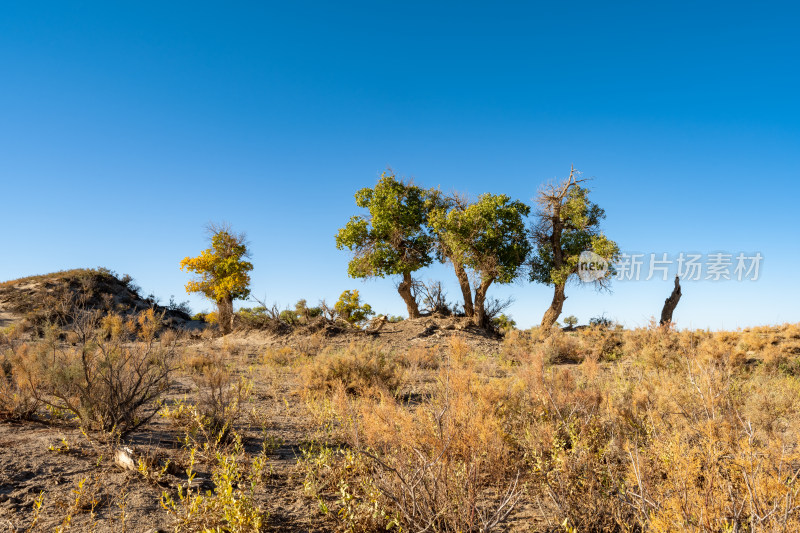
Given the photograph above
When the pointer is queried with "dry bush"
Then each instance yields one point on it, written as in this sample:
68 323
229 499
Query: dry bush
283 356
360 369
419 357
221 395
560 347
689 440
601 343
313 344
517 346
685 430
443 466
572 440
196 360
108 383
655 346
725 450
208 423
339 479
17 401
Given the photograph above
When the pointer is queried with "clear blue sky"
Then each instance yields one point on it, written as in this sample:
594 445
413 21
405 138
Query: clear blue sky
127 126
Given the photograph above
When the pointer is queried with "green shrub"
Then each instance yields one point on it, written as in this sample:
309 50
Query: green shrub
350 308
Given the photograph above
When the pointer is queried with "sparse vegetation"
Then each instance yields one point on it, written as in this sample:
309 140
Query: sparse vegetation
595 429
101 377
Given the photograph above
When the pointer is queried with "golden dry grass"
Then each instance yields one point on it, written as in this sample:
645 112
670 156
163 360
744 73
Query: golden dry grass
595 430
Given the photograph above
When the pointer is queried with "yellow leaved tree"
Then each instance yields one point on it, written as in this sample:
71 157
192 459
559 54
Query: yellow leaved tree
223 275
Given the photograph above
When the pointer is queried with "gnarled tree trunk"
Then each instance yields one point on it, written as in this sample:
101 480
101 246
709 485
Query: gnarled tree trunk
480 319
466 290
554 311
404 289
225 315
671 303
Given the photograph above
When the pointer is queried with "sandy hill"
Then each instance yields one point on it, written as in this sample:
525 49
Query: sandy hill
51 297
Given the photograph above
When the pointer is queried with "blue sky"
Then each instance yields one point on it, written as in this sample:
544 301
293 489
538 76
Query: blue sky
126 126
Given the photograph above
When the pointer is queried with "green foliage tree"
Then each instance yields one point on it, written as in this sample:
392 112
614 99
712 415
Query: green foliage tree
486 239
392 239
222 273
571 321
504 322
567 224
350 308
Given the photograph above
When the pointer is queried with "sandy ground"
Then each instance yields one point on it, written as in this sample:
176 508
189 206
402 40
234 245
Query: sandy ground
53 459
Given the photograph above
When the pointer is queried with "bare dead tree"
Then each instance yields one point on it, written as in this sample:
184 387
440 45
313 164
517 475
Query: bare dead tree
434 298
671 303
495 306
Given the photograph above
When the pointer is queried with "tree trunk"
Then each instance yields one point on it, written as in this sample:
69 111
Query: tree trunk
466 290
480 319
225 315
671 303
405 292
554 311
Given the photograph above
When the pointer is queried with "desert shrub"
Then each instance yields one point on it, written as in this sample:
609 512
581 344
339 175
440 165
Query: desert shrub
179 307
290 317
17 401
283 356
700 444
603 344
419 356
601 321
230 506
221 396
359 369
778 360
108 383
560 347
339 479
685 431
350 308
503 322
443 466
208 423
518 346
434 298
726 456
264 318
573 449
194 359
311 345
654 346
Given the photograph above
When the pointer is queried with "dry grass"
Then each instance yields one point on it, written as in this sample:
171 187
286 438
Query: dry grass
594 430
688 431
